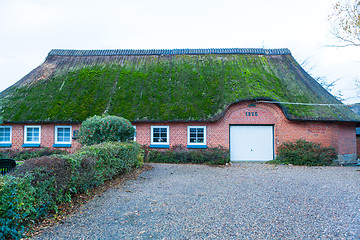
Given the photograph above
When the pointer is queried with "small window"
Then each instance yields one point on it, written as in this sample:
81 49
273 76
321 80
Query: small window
5 136
62 134
75 134
134 133
196 136
160 136
32 136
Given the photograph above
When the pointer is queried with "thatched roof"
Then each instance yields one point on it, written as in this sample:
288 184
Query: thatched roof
166 85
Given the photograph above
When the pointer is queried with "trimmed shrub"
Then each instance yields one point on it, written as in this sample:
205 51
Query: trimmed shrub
96 129
37 187
302 152
25 154
180 154
51 178
93 165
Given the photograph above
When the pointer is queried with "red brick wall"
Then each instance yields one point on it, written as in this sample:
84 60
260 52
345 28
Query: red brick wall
339 135
47 135
358 145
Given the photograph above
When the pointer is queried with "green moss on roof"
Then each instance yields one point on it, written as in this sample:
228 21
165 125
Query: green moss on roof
164 88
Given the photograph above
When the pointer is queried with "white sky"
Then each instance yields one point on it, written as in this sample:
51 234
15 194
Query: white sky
29 29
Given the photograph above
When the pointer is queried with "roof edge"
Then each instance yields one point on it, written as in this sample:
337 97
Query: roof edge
187 51
213 119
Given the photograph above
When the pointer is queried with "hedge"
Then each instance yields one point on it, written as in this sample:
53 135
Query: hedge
302 152
25 154
180 154
40 185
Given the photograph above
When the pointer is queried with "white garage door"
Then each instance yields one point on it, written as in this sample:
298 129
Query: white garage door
251 143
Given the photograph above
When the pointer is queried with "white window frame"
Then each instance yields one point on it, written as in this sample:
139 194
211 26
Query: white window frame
56 135
7 142
134 133
167 135
25 135
188 136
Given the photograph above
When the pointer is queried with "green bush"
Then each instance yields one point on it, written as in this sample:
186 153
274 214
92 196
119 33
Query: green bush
25 154
302 152
179 154
51 178
93 165
17 208
96 129
37 187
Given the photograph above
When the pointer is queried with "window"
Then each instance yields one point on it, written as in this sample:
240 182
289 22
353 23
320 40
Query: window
32 136
160 136
75 134
62 135
196 137
134 133
5 136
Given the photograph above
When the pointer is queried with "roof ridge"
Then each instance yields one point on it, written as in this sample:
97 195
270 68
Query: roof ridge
187 51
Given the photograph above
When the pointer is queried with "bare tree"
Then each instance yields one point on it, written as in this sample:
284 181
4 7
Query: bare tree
323 81
345 20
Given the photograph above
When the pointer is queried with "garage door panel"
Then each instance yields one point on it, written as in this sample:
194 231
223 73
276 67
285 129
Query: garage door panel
251 143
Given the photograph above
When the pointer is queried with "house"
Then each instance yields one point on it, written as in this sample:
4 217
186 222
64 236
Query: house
356 109
247 100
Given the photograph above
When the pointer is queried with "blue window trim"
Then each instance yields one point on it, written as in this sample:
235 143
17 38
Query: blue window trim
5 145
159 146
62 145
196 146
28 145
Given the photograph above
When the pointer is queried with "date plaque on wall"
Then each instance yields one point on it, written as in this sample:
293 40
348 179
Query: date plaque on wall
251 114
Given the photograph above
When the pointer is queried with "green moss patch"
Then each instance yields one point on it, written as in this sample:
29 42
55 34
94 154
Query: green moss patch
165 88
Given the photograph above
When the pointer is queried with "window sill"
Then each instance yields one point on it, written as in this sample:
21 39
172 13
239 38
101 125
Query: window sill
31 145
197 146
62 145
159 146
5 145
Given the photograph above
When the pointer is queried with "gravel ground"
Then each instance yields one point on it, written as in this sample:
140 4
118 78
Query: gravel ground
242 201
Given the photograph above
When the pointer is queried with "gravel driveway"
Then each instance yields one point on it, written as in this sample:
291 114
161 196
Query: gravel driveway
242 201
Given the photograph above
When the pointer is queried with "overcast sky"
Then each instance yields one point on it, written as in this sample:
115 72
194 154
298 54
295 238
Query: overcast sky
29 29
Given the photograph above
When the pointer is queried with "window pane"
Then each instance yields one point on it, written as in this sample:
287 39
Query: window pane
2 134
66 134
197 135
159 135
32 134
5 134
63 134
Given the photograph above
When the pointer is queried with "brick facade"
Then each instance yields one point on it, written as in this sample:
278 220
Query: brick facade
337 134
47 135
340 135
358 145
